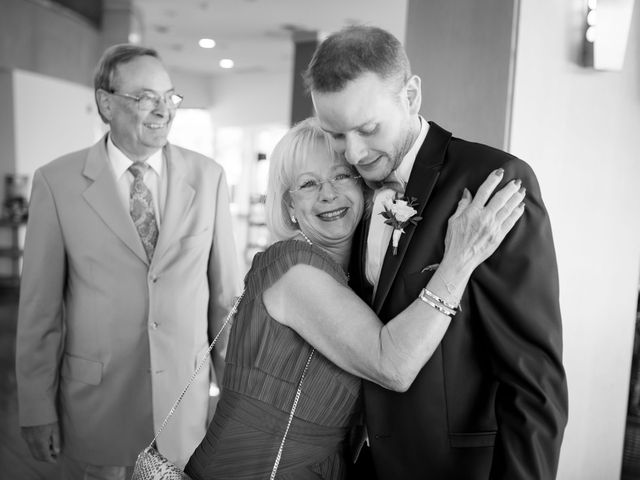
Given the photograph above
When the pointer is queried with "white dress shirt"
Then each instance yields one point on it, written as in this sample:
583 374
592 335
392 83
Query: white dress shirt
380 233
154 178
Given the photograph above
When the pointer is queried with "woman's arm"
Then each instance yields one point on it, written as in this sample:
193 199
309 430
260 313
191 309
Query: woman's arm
345 330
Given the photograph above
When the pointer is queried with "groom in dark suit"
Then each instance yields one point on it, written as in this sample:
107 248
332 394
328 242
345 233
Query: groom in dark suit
492 401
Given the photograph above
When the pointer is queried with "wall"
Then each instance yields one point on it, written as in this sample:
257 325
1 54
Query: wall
42 37
196 88
52 117
46 38
301 103
462 51
42 118
251 99
579 129
7 130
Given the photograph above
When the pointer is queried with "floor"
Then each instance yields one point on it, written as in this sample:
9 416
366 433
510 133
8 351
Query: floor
15 460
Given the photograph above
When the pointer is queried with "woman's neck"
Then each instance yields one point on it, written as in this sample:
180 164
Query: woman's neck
340 252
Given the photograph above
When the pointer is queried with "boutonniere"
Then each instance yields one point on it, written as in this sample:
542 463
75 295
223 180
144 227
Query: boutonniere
399 213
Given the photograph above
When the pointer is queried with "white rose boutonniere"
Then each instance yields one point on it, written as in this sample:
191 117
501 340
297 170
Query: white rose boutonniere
399 214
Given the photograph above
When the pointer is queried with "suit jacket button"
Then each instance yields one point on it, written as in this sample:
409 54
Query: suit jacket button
154 325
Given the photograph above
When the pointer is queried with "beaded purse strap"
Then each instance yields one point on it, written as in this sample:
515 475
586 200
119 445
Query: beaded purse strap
293 410
204 360
205 357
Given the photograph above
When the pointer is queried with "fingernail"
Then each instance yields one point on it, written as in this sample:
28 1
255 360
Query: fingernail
522 190
517 182
466 193
499 171
521 204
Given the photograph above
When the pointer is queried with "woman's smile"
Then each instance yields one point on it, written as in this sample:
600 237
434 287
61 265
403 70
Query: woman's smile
333 215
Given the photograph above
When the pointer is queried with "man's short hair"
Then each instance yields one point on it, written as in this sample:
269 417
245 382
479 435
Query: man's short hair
347 54
113 57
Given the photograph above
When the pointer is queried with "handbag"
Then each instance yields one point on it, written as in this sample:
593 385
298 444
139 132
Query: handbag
152 465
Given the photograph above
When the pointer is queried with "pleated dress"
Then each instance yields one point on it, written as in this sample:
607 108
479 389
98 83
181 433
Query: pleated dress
264 363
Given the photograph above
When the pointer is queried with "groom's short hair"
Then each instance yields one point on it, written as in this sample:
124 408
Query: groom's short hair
353 51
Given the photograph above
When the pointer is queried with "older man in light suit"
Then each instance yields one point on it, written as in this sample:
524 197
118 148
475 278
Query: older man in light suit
129 269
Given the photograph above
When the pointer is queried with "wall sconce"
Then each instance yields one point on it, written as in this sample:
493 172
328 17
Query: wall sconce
589 32
605 34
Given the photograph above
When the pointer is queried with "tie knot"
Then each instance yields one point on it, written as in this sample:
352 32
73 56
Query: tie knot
138 168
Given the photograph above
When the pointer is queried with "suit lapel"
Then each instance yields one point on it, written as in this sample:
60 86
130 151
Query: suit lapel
180 195
102 196
357 273
422 180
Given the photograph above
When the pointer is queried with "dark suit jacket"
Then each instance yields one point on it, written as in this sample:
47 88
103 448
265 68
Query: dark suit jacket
492 401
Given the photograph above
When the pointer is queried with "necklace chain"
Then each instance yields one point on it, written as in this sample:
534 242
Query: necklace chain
305 237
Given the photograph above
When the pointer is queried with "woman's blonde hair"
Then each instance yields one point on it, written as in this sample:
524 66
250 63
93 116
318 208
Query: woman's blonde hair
284 165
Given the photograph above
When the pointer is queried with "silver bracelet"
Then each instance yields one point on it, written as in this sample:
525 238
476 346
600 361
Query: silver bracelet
440 300
447 311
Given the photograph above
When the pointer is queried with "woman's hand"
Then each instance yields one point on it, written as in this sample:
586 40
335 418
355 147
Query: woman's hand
477 228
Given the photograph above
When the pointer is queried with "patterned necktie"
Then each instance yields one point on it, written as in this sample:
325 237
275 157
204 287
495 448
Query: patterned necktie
141 209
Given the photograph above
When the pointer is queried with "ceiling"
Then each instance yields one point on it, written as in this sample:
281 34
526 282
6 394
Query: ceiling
256 34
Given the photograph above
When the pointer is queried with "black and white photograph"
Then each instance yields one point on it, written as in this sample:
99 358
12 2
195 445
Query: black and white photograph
305 240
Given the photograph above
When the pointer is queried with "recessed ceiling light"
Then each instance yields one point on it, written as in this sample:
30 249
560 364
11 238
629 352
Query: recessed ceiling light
226 63
207 42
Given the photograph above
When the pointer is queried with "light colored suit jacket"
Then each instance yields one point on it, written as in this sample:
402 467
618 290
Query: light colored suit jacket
106 342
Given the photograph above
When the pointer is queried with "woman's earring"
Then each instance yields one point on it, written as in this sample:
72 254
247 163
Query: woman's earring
293 219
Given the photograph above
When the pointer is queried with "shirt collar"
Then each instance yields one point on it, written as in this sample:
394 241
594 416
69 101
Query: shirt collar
121 163
404 169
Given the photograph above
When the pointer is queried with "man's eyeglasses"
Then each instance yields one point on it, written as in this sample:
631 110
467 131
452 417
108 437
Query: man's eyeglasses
313 186
148 101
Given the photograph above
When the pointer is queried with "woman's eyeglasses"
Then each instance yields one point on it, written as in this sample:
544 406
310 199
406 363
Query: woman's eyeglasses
313 186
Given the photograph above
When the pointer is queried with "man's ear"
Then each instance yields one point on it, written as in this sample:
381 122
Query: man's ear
103 100
414 94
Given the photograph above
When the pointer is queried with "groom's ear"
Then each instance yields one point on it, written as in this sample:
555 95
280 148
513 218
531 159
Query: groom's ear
414 94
